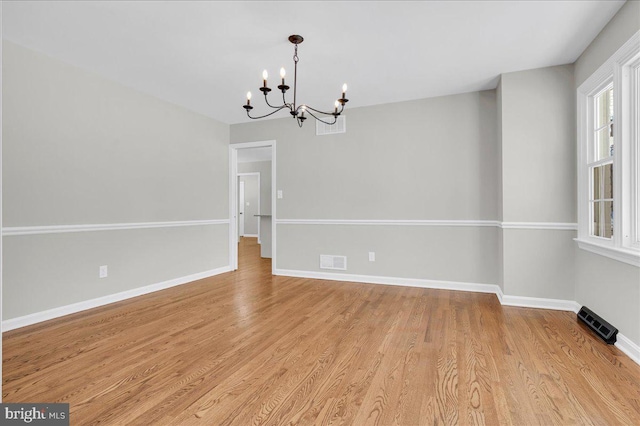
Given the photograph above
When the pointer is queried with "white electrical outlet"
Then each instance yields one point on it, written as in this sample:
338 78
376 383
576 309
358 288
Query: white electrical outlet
372 256
279 193
103 271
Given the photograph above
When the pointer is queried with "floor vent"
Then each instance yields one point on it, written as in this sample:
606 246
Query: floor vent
603 329
333 262
340 126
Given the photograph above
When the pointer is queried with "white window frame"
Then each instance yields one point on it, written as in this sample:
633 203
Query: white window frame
623 69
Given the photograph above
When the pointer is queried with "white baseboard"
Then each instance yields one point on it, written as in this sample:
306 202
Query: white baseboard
541 303
406 282
628 347
23 321
250 235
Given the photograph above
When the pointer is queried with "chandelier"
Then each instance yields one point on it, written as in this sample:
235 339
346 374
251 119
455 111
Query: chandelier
296 111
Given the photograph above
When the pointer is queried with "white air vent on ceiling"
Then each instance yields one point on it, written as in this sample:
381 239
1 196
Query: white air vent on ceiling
326 129
333 262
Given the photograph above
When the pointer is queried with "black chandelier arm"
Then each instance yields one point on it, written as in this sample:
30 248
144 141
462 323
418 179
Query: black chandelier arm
323 112
335 117
267 115
284 104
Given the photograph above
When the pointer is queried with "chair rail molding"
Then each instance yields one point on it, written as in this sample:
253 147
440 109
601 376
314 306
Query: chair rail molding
561 226
57 229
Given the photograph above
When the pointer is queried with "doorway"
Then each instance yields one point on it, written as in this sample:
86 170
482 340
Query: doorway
258 152
249 211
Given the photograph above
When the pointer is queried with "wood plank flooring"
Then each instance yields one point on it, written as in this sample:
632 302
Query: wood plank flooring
246 348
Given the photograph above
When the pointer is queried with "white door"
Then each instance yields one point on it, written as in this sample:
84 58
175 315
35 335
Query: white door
241 209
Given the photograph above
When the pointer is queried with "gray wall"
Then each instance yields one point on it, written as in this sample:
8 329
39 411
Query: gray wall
609 287
538 145
264 168
419 160
460 254
538 181
618 30
394 162
79 149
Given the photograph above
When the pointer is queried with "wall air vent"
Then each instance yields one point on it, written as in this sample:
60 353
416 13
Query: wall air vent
603 329
333 262
326 129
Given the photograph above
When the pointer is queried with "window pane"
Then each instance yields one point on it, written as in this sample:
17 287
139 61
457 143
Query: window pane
604 143
607 180
597 184
602 219
602 182
596 231
604 108
608 219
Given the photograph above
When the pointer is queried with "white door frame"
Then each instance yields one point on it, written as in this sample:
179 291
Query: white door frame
233 199
244 210
241 210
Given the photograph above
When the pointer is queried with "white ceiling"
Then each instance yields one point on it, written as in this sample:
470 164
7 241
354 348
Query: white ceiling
206 55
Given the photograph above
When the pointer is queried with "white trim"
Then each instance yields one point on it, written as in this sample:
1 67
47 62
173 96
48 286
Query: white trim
23 321
629 256
386 222
563 226
560 226
406 282
520 301
57 229
251 235
233 205
541 303
628 347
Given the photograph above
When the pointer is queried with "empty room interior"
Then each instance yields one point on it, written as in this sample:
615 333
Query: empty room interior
300 212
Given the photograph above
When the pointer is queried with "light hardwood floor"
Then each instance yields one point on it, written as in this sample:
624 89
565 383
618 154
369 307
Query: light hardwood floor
247 348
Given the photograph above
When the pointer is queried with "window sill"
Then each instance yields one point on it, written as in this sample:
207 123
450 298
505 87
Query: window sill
630 256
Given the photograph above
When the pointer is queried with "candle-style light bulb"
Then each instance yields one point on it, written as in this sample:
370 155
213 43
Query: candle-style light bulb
344 90
264 77
248 98
303 108
336 104
282 72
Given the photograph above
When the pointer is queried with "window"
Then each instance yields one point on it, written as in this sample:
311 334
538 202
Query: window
609 157
601 166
